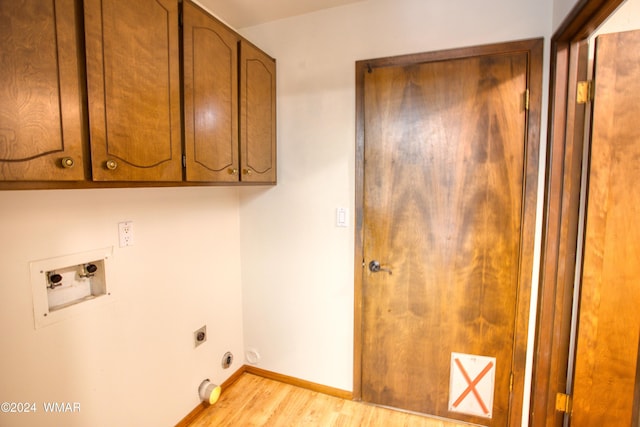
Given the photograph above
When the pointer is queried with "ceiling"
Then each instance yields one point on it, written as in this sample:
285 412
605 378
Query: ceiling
246 13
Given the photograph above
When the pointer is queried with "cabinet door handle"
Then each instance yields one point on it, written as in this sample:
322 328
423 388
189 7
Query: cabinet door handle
233 171
246 171
67 162
111 165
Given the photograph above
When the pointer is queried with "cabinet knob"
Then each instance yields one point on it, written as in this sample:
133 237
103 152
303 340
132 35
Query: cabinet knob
67 162
111 165
233 171
246 171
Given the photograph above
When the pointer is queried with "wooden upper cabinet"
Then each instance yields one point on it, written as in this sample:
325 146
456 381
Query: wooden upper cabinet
133 80
40 99
210 64
257 115
126 124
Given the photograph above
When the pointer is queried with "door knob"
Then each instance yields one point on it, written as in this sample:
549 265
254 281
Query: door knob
374 267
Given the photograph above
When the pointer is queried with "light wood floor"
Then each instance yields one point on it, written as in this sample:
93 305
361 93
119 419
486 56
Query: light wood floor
257 401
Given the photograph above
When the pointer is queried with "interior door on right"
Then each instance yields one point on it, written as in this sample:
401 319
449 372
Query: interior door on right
609 317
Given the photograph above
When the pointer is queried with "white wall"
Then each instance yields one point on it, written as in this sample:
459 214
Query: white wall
561 8
297 267
625 18
130 362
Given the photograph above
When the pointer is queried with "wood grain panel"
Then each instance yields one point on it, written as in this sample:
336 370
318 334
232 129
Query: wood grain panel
609 321
134 89
211 98
443 209
257 115
40 99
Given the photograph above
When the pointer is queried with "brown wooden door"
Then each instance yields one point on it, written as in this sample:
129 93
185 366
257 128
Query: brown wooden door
257 115
609 318
448 208
210 97
133 78
40 100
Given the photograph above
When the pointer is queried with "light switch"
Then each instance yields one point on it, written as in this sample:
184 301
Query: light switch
342 217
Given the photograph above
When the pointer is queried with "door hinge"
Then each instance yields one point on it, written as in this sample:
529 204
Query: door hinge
511 382
584 92
184 161
526 99
563 403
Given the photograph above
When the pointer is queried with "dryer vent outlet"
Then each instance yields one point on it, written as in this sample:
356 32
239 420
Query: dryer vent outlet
227 359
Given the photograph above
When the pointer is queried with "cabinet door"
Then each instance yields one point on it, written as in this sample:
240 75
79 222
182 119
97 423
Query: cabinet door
133 79
210 97
40 101
257 115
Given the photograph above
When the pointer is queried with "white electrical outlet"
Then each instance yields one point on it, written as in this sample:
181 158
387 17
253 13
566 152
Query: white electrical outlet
125 233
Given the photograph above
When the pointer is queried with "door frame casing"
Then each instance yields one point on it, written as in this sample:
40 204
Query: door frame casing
561 208
534 49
